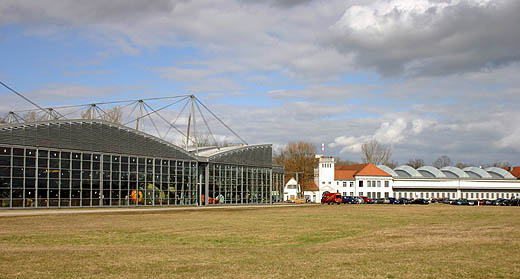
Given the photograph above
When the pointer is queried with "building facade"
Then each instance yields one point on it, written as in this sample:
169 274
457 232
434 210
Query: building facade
425 182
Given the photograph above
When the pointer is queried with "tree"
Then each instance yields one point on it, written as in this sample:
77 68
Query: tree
376 153
415 163
33 116
113 115
392 164
298 157
338 162
500 164
442 162
461 165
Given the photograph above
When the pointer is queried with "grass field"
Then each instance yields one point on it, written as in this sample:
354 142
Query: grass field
347 241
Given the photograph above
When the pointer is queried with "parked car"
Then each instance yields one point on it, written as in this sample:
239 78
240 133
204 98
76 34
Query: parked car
367 200
378 201
404 201
348 199
394 201
420 201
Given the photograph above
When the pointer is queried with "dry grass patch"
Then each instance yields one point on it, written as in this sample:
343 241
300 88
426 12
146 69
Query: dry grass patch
348 241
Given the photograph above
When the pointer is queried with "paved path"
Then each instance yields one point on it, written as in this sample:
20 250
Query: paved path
34 212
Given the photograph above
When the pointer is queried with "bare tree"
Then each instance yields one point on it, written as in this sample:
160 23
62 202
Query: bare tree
113 115
376 153
338 162
415 163
461 165
297 157
3 120
499 164
392 164
442 162
33 116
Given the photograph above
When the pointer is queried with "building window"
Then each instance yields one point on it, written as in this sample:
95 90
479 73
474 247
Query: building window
344 184
323 182
427 195
344 193
337 182
369 183
351 193
361 183
387 194
351 184
387 183
330 182
378 183
361 193
471 195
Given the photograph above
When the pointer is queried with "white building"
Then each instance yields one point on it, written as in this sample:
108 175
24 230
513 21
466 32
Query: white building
453 183
291 189
406 182
354 180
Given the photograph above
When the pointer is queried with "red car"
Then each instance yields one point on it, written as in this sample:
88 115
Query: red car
367 200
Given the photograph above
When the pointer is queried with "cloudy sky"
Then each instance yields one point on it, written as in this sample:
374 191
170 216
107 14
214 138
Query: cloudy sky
427 77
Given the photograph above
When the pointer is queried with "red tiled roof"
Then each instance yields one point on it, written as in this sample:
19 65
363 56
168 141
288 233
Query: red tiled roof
310 186
287 178
515 171
344 174
350 171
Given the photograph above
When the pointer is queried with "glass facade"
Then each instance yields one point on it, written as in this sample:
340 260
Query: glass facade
58 178
93 163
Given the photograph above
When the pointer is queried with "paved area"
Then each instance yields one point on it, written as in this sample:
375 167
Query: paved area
55 211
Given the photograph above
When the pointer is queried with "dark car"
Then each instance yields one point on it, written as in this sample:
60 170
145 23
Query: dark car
420 201
394 201
404 201
379 201
348 199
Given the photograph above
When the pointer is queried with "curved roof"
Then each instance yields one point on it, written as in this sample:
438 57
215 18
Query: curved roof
388 170
258 154
429 171
499 173
90 135
407 171
454 172
477 172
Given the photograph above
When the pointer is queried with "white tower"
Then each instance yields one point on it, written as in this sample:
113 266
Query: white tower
326 175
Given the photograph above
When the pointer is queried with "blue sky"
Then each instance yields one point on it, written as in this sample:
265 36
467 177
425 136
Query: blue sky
428 78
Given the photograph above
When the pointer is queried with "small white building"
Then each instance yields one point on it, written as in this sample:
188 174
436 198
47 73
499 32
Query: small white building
291 189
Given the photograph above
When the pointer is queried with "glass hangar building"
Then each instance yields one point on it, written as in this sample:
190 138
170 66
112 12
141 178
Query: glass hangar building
95 163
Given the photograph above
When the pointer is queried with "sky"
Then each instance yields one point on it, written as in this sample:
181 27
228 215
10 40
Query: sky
424 77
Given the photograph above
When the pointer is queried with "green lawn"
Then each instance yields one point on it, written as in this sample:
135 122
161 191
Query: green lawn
346 241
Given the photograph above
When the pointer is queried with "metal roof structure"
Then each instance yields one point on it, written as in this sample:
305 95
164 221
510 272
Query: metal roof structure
90 135
388 170
407 171
499 173
429 171
454 172
477 172
449 172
